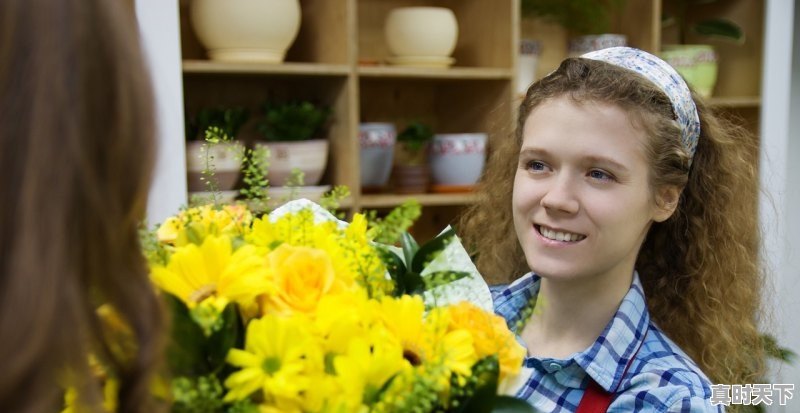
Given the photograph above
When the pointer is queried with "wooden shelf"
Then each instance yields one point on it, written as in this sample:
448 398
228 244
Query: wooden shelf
391 200
300 69
455 73
735 101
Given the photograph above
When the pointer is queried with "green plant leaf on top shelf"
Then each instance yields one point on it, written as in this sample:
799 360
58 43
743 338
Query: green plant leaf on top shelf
722 28
577 16
713 27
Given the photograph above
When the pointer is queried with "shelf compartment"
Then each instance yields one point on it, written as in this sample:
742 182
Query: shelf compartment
485 37
251 91
447 105
392 200
458 73
300 69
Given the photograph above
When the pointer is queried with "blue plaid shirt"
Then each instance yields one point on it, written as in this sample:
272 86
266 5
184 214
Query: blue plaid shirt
660 377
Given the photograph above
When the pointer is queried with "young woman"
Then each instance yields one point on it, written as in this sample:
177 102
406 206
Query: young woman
76 149
634 210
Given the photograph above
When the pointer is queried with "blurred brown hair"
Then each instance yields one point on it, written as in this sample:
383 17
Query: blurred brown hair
701 268
76 151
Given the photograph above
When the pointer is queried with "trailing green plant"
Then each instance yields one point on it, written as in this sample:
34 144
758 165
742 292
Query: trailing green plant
293 121
254 176
716 27
227 119
213 136
577 16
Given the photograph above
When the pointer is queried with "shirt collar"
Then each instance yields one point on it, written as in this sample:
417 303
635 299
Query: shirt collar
607 359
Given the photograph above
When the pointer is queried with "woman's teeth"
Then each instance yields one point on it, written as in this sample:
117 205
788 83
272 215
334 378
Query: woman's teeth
560 236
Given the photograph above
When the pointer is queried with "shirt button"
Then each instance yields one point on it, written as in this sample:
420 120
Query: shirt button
555 367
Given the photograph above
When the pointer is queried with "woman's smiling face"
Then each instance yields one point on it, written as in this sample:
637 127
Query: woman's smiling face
582 202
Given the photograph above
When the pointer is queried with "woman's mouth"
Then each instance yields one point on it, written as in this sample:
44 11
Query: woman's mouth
558 235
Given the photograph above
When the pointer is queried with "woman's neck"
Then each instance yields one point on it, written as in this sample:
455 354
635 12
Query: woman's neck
570 315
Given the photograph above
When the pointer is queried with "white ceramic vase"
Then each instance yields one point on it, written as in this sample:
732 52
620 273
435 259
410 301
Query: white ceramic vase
310 157
376 141
421 31
457 159
246 30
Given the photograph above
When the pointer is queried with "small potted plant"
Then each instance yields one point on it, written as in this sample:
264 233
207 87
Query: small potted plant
294 135
411 173
213 155
697 63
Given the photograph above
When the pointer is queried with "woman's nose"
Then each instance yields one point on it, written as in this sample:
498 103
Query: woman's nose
560 196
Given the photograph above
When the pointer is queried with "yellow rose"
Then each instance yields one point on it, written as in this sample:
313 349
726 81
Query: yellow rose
302 276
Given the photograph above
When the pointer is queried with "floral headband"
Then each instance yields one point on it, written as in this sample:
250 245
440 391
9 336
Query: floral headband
666 78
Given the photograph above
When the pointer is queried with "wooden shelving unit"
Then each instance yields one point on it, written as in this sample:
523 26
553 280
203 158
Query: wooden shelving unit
475 95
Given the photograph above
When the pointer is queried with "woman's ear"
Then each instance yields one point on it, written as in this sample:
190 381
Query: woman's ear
667 198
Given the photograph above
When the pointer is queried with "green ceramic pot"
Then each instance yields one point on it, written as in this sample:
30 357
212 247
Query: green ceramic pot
697 63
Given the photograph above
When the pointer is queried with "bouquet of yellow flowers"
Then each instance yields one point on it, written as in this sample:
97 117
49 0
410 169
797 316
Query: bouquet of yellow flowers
297 311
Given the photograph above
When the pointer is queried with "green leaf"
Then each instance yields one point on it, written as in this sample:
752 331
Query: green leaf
721 28
410 248
487 373
429 251
395 267
185 351
508 404
228 336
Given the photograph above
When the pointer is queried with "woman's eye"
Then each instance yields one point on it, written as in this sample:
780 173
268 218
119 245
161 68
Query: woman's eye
600 175
535 166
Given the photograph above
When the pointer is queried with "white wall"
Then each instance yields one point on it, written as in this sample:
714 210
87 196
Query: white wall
780 178
159 25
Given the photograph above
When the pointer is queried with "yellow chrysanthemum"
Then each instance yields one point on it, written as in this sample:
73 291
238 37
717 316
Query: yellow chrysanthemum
490 335
453 349
368 364
277 359
213 274
194 224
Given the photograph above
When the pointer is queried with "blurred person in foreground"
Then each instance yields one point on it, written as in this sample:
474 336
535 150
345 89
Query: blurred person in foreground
76 151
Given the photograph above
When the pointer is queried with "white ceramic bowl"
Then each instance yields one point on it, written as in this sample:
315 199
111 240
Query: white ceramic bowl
457 159
421 31
246 30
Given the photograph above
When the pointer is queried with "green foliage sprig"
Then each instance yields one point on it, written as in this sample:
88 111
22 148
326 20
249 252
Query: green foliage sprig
254 175
293 121
389 229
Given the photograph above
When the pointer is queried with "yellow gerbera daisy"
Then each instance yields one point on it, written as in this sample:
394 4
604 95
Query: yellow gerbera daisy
213 274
